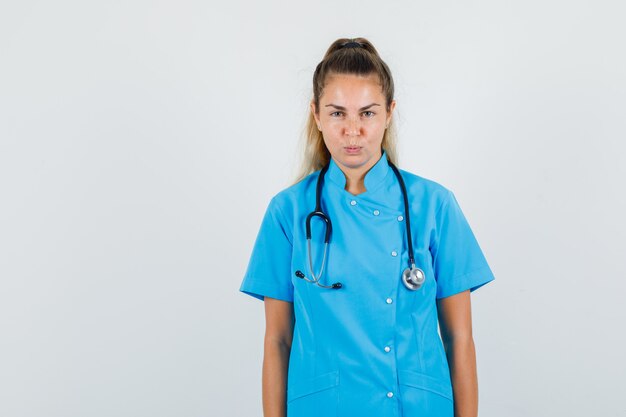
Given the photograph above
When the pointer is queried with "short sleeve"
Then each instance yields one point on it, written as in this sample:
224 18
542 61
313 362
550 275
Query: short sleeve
268 272
459 263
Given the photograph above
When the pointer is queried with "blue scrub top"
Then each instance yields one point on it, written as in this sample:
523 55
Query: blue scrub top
370 348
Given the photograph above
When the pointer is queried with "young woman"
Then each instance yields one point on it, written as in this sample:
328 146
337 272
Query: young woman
359 262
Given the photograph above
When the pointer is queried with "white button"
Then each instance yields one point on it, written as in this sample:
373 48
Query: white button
387 348
353 203
390 394
400 218
394 253
376 212
389 300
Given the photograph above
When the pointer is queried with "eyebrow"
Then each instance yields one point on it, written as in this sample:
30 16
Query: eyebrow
343 108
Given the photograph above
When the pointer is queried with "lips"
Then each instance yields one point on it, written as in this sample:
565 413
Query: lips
352 149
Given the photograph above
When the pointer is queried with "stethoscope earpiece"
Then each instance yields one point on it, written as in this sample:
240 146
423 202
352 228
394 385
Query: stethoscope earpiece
334 286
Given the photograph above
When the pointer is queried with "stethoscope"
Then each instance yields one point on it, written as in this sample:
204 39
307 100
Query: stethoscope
412 277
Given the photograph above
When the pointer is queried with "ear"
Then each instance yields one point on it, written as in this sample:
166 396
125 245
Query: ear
315 115
392 106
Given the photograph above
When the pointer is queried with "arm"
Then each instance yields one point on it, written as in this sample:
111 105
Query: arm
455 322
277 346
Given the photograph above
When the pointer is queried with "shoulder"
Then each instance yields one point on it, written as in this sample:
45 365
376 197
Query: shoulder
290 197
425 190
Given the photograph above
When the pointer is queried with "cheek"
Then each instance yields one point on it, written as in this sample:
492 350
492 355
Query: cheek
331 140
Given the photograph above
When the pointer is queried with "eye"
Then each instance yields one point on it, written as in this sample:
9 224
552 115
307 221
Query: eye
335 113
368 113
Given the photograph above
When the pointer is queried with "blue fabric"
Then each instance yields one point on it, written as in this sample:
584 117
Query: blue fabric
372 347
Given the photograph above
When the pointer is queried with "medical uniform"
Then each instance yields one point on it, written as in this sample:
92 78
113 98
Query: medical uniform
370 348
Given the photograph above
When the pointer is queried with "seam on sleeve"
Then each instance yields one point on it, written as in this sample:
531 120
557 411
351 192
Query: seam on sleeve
281 220
445 201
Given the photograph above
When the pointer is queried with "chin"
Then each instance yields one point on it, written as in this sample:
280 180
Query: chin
353 161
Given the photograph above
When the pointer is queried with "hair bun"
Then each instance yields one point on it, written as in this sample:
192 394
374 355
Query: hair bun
352 44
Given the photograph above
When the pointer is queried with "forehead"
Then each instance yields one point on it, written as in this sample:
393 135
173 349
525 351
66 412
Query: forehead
352 87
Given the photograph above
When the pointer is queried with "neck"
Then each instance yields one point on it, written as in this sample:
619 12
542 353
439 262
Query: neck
355 185
355 177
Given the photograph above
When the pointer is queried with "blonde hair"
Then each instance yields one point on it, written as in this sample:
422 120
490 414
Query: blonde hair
339 59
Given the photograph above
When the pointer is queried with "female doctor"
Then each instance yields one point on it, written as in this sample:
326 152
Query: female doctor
358 263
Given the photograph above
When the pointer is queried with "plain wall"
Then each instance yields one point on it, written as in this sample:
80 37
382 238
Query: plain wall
140 142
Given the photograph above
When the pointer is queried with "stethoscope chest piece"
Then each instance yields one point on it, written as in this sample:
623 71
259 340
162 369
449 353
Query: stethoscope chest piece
413 278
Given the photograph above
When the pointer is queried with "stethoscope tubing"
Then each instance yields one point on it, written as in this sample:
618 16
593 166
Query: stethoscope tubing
412 276
406 213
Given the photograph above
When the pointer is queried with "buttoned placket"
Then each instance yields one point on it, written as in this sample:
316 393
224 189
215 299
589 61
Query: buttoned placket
366 203
387 347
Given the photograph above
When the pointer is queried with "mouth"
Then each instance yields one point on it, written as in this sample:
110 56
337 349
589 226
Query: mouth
352 150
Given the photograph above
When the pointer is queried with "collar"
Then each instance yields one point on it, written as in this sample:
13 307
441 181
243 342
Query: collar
373 178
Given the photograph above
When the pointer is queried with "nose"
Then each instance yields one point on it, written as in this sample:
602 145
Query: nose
353 127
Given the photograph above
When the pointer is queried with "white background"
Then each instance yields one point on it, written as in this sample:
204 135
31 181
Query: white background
140 142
